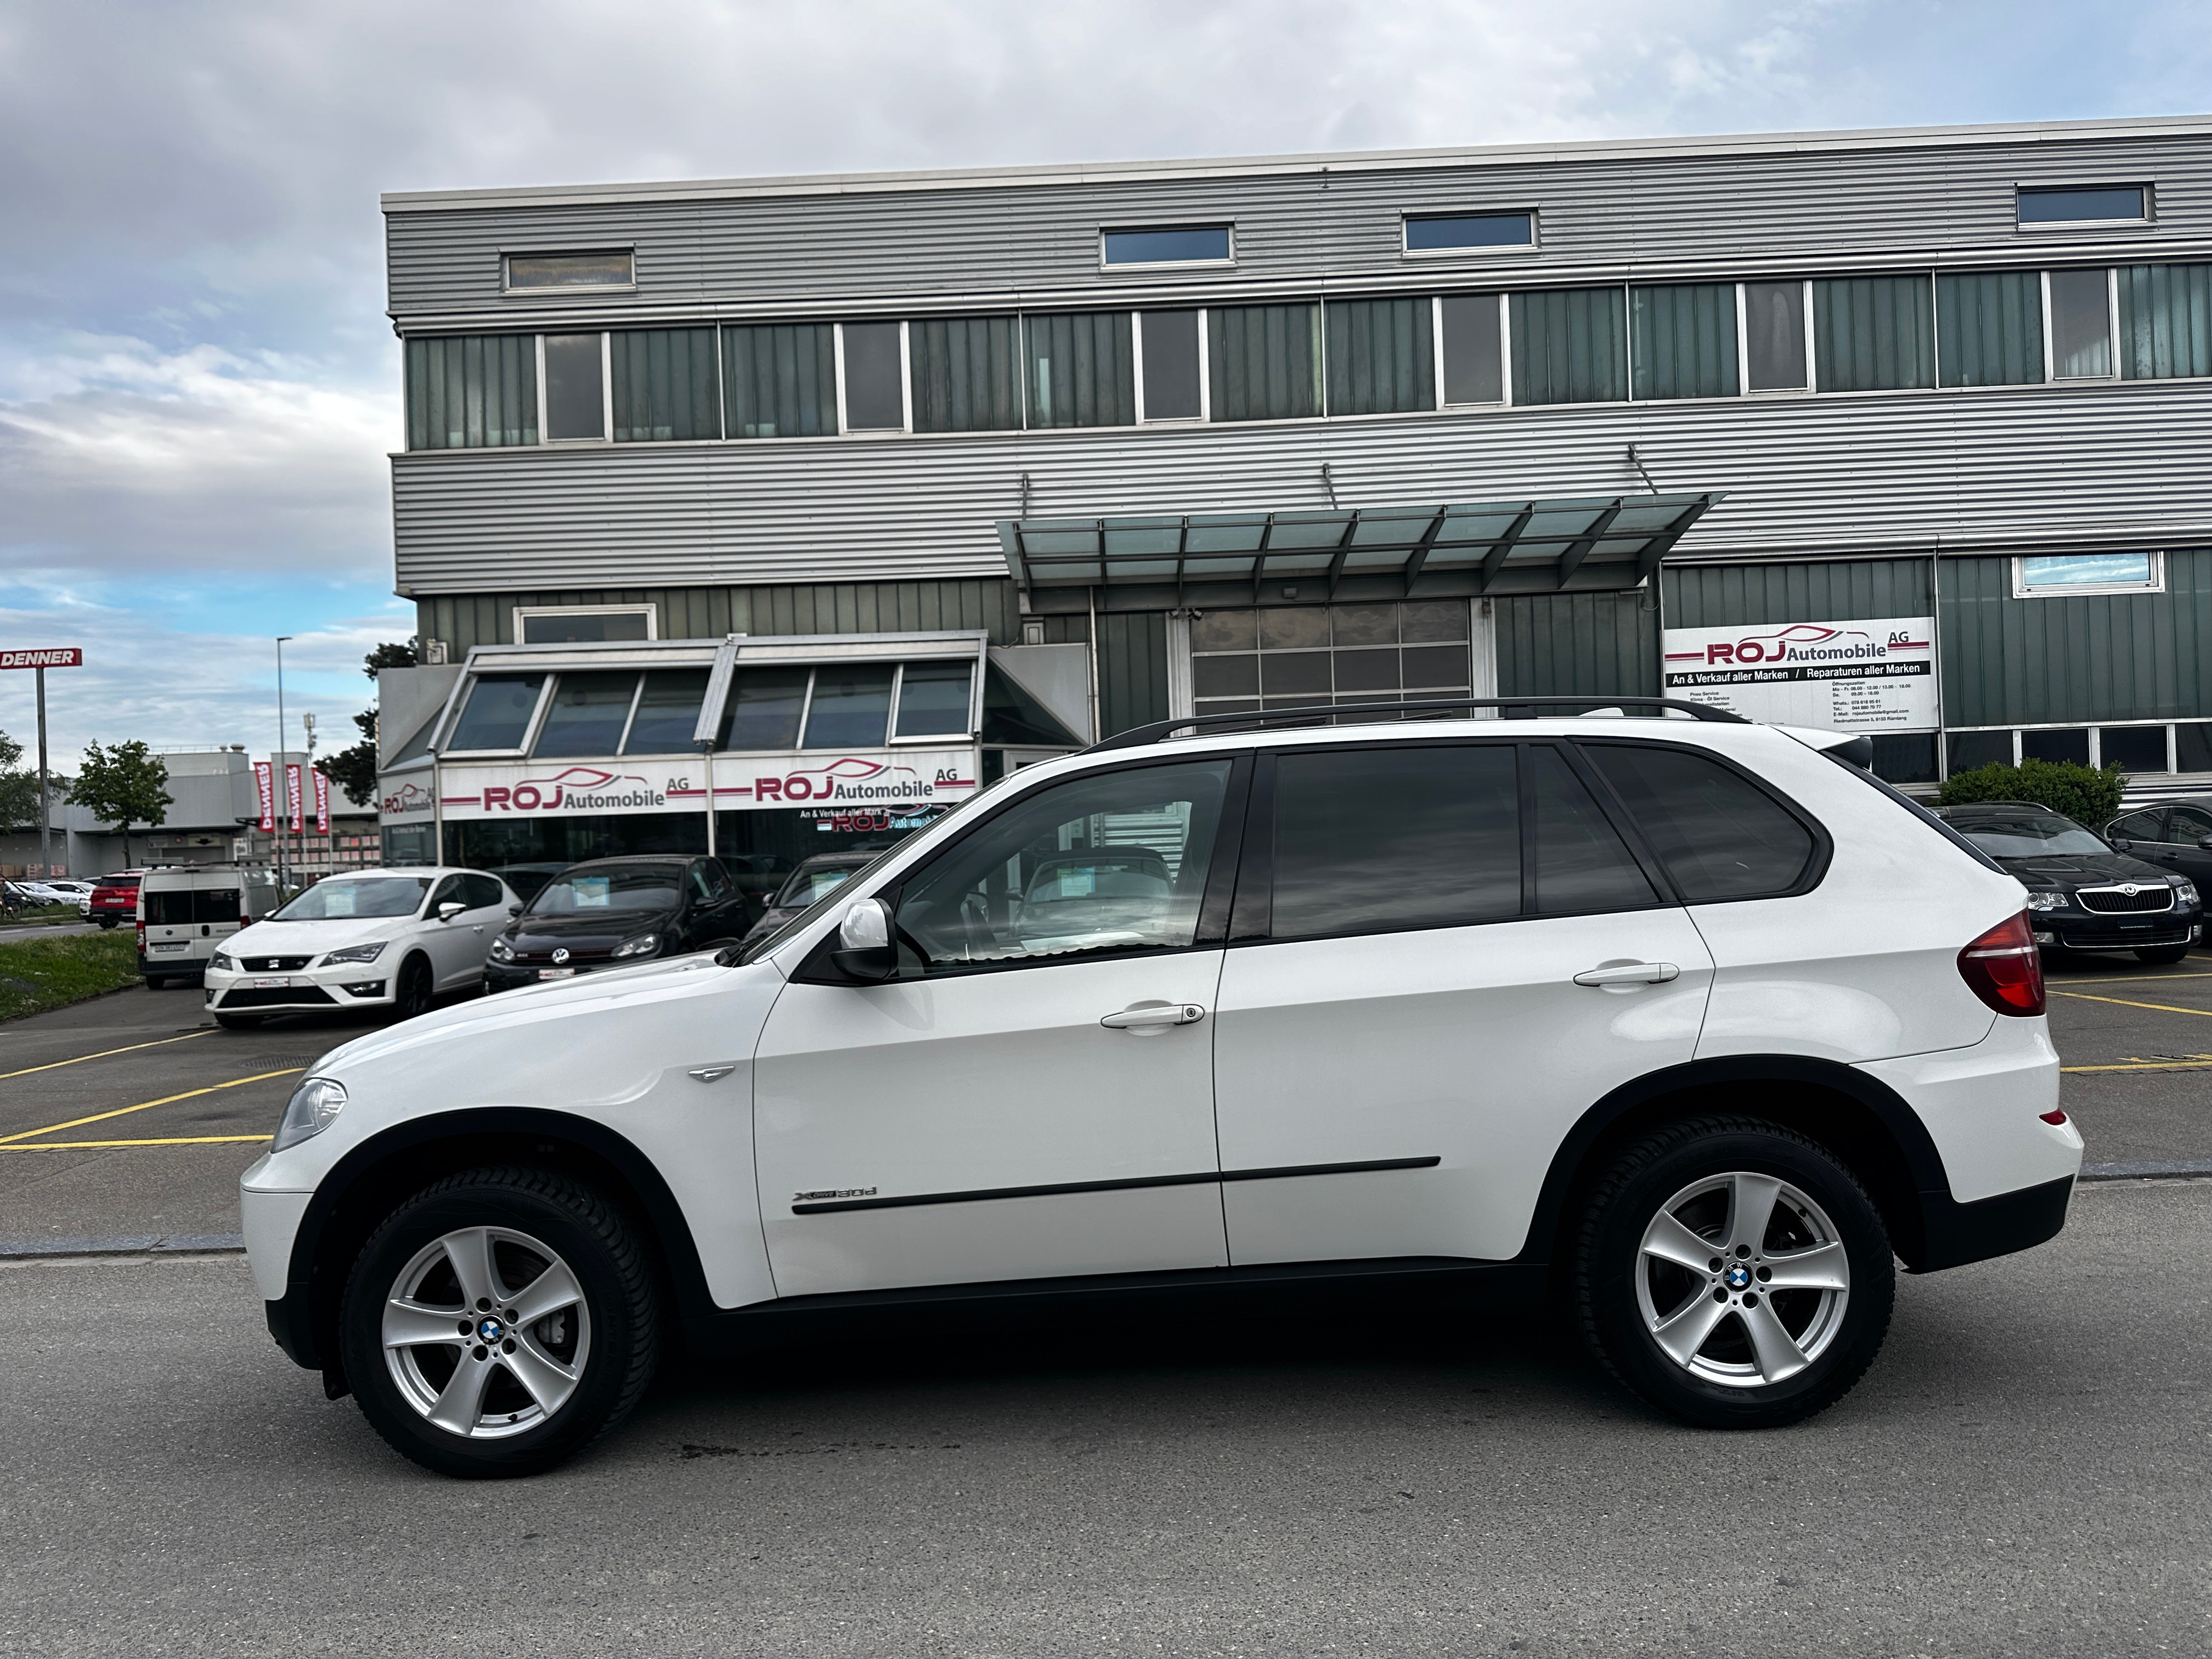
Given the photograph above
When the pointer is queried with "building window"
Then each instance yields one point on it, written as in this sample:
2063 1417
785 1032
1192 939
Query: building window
2078 204
666 384
2192 746
575 387
2056 575
1970 750
1173 383
1167 245
667 717
1684 341
579 625
1448 234
2066 745
1873 333
471 392
1774 334
967 373
1570 346
610 268
1295 657
1081 369
496 719
1988 328
2133 748
1382 355
779 380
933 699
1264 362
871 372
1473 347
2166 321
763 710
586 715
2080 304
850 707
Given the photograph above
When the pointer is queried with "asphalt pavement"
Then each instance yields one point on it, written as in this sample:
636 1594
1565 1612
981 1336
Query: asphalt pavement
2024 1472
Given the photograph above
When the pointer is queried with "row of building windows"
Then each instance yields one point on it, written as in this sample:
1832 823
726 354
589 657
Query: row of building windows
1139 247
1310 358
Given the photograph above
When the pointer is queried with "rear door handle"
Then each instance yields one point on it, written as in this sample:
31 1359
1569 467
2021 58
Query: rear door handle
1630 973
1153 1016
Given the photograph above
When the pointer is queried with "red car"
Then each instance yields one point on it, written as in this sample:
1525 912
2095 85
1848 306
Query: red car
115 898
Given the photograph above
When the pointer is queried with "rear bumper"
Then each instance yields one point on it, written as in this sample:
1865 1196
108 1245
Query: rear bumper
1958 1233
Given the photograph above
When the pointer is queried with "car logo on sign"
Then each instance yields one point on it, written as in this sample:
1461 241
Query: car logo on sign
561 955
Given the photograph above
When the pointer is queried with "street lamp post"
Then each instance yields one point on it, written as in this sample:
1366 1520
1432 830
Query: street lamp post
277 775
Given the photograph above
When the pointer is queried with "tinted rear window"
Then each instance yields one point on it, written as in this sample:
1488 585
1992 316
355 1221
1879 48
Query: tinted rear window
1582 864
1720 836
173 909
1373 839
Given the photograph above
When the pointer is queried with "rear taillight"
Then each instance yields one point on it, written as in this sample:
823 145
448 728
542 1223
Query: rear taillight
2004 969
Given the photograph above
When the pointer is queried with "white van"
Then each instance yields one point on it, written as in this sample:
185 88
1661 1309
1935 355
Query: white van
185 913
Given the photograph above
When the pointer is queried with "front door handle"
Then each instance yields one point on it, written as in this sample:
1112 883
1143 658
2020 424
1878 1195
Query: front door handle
1630 973
1153 1016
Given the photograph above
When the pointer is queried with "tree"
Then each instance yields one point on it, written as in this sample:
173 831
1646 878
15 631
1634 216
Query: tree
124 784
354 769
19 790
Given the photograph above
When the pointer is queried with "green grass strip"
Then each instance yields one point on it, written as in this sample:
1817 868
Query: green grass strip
39 973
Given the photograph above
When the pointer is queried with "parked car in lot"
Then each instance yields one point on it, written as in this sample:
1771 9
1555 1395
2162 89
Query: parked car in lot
822 873
525 880
1685 1022
2175 835
368 939
188 913
609 913
2082 893
114 898
758 876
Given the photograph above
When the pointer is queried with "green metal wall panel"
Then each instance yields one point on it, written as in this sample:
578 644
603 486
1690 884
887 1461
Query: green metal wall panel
706 613
1721 596
1133 669
2094 657
1571 645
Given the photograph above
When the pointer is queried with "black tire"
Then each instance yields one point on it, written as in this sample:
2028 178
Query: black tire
106 923
1719 1385
2163 954
415 990
620 1340
238 1022
154 984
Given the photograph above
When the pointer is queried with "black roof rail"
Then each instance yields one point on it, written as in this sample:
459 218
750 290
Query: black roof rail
1138 737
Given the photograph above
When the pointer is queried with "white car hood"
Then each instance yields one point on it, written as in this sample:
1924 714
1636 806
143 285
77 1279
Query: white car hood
311 939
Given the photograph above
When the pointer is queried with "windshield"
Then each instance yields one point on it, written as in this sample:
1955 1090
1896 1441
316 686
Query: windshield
2028 835
808 886
360 895
610 888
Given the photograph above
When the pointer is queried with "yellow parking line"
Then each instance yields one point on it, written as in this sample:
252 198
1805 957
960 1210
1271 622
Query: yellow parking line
2122 1002
2132 979
53 1064
143 1105
174 1140
2132 1065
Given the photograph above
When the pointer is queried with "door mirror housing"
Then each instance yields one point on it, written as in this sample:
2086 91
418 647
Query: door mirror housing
2121 844
2205 845
514 909
450 908
865 950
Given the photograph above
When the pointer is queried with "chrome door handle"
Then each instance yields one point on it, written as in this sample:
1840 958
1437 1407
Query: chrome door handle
1153 1016
1630 973
709 1073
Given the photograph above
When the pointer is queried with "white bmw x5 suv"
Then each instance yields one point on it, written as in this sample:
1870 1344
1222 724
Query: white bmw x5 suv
1683 1022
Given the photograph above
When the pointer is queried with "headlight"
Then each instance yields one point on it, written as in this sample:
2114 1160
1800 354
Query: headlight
2046 901
2184 892
353 953
314 1104
643 945
502 951
222 963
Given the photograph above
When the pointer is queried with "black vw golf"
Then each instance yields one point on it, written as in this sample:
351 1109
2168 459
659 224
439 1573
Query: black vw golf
2081 894
610 912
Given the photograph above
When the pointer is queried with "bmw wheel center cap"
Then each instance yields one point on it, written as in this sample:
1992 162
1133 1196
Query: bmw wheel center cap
1738 1278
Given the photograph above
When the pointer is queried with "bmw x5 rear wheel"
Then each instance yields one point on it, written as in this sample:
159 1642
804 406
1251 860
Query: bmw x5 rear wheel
1735 1273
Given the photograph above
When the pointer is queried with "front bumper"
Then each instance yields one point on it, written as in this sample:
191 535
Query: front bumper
2079 930
304 991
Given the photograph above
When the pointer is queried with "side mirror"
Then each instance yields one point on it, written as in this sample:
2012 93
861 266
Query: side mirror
2205 845
514 909
450 908
864 940
2121 844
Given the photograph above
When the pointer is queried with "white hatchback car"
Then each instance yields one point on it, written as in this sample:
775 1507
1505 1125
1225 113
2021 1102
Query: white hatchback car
1682 1022
369 939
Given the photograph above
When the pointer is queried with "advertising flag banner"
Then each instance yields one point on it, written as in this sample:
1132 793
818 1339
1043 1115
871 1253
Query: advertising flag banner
322 802
1873 674
291 795
264 782
59 656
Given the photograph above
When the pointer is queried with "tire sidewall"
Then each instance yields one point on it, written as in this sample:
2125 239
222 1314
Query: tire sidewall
489 1204
415 971
1614 1258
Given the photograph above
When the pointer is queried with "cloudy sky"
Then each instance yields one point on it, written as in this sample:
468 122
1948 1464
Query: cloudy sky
197 386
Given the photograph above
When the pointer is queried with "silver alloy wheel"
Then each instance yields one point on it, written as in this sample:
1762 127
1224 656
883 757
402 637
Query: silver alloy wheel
1742 1279
486 1333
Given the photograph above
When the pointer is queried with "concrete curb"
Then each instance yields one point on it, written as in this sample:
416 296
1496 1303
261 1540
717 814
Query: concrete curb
18 1249
2164 1169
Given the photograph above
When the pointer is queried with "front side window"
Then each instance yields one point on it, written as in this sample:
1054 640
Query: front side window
575 387
586 715
1442 233
1166 244
612 268
1114 862
1384 838
1173 380
2080 324
2074 205
2189 825
497 714
875 377
2048 576
1719 835
481 892
2142 826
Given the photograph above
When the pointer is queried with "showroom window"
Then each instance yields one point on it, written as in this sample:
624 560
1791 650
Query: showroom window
1299 656
586 715
496 717
847 705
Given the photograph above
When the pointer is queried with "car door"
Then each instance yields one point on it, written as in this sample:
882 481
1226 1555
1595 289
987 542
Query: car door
2179 847
456 948
1032 1097
1443 954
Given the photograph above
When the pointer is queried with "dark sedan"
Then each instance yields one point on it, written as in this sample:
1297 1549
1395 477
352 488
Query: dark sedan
613 912
2082 894
822 873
